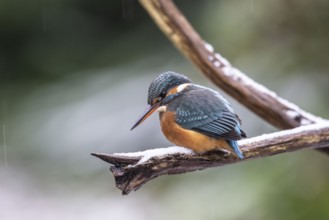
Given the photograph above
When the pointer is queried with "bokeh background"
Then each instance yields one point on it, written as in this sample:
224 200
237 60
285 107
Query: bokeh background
73 79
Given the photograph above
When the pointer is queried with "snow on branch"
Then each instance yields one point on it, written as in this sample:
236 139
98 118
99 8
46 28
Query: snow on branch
132 170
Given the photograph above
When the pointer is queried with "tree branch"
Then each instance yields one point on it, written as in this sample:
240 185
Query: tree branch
131 170
265 103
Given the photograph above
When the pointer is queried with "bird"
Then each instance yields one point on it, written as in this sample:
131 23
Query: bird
193 116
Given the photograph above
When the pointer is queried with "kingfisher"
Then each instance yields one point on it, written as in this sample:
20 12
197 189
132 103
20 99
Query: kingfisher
193 116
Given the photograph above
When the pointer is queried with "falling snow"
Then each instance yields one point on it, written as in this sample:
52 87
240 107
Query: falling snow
4 143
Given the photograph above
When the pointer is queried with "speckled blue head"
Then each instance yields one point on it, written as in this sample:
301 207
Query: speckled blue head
162 83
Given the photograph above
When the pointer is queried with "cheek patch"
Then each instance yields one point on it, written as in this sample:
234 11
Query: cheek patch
162 109
182 87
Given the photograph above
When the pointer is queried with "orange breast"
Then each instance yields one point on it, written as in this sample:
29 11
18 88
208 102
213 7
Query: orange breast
187 138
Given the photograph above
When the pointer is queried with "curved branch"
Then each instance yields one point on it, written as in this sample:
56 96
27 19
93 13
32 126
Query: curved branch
265 103
131 170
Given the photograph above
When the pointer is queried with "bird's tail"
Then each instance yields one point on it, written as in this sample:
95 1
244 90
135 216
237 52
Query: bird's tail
236 149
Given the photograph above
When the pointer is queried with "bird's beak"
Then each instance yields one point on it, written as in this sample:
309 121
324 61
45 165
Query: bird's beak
150 109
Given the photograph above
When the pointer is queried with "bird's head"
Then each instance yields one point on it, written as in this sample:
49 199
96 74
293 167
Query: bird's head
161 91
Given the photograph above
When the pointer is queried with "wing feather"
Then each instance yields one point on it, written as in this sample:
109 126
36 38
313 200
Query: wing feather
207 112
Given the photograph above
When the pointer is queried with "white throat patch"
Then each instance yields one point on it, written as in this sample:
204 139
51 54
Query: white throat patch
162 109
182 87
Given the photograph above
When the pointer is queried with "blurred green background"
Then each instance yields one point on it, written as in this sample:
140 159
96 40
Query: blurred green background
74 76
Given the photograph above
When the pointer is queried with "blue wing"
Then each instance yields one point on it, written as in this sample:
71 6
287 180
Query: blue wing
207 112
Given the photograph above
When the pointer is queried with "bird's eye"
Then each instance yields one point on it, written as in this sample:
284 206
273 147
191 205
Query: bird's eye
159 98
